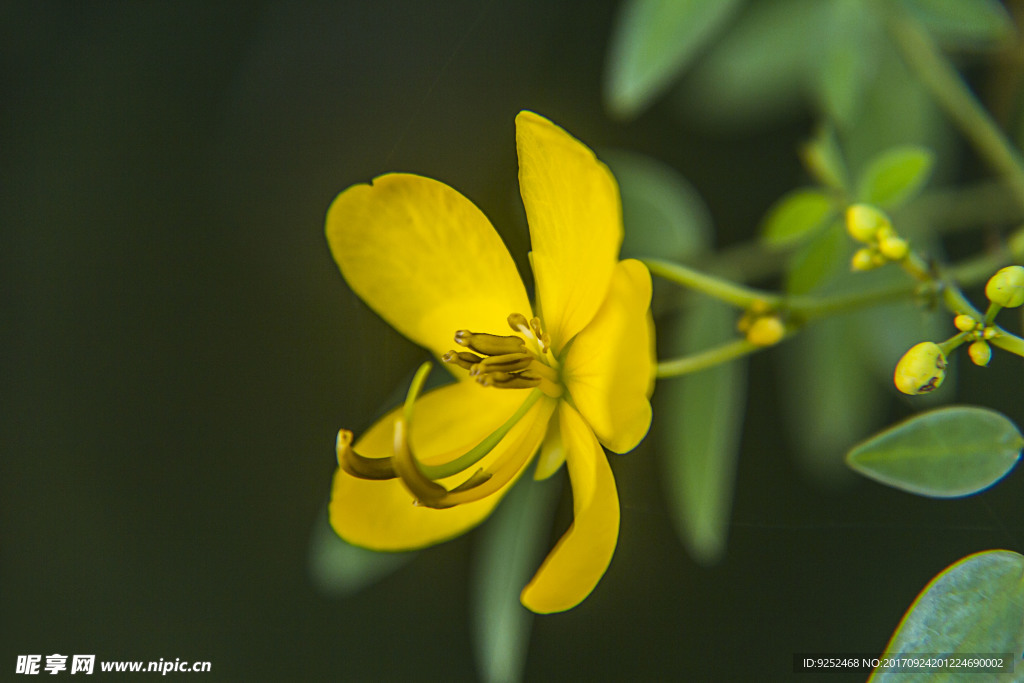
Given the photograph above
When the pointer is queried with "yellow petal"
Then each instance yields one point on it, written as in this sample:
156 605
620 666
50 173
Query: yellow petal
578 562
609 369
380 514
552 453
575 216
425 259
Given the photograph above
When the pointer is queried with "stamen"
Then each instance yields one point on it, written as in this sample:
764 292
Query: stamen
490 344
507 380
509 362
358 465
543 339
426 492
464 359
519 323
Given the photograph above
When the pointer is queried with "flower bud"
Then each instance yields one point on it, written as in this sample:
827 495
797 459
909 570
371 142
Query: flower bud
921 369
864 221
863 259
965 323
980 353
894 248
766 331
1006 287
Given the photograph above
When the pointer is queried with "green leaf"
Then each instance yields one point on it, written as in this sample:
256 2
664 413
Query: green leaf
975 606
819 261
797 215
509 550
849 40
756 72
824 159
653 41
944 453
339 569
964 23
895 176
831 403
664 217
698 421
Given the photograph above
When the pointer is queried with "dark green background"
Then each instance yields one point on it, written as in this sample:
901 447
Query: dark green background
181 350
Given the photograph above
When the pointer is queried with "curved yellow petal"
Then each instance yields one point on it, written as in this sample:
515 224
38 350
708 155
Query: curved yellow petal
581 557
380 514
575 216
609 369
425 259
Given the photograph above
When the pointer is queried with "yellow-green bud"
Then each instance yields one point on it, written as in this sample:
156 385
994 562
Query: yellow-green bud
894 248
1006 287
766 331
921 369
980 353
965 323
863 259
863 222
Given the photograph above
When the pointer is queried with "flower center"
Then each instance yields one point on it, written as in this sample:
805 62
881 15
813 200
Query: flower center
517 361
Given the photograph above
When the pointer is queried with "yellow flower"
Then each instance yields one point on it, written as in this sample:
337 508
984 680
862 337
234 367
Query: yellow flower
575 373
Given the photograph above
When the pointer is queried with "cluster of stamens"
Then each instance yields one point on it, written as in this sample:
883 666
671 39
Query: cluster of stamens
519 361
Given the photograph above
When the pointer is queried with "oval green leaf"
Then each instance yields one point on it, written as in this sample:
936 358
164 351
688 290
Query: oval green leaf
653 41
944 453
895 176
698 420
663 215
797 216
975 606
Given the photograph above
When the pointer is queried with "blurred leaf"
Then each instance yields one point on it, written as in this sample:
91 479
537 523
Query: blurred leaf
848 60
975 606
797 215
897 110
699 419
652 42
662 213
944 453
824 160
895 176
339 569
964 23
758 69
819 261
508 551
831 402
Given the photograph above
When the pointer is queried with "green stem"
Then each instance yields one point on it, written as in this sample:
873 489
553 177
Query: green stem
728 351
729 292
1008 342
953 94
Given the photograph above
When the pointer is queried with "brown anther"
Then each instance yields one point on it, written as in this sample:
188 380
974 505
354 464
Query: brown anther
505 380
464 359
490 344
509 362
359 466
519 323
